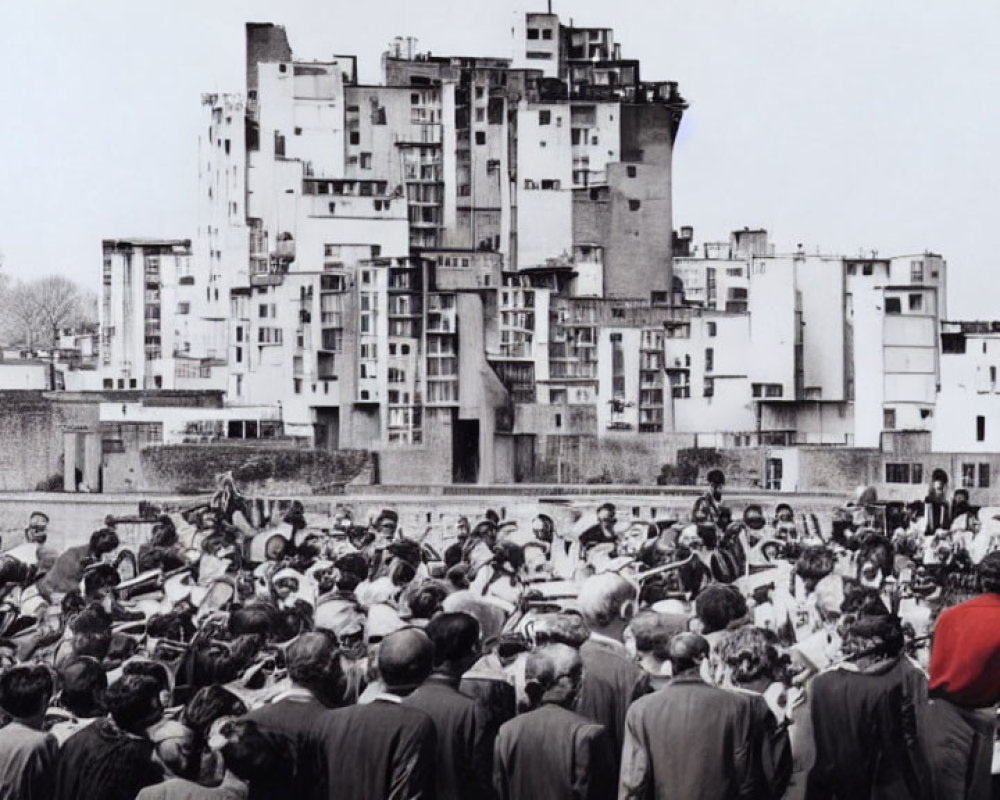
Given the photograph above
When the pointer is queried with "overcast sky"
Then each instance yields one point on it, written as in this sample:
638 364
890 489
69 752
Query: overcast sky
840 124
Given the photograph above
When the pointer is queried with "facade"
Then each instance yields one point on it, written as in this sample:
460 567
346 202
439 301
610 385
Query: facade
470 268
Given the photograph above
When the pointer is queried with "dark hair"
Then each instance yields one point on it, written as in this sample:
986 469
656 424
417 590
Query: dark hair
751 653
121 647
132 698
13 570
313 660
92 643
173 625
98 577
259 618
209 704
814 563
426 599
989 572
72 604
91 619
25 690
717 606
103 541
256 755
83 682
455 636
163 535
885 631
156 670
607 507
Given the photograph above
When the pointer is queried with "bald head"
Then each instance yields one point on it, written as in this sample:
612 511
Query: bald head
405 659
605 599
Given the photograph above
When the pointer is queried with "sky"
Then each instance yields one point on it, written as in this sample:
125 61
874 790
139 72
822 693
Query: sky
843 125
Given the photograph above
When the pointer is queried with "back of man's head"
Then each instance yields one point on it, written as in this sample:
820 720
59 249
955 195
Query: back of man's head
719 605
553 673
687 651
566 628
405 659
455 638
84 683
25 690
253 755
605 599
314 662
134 702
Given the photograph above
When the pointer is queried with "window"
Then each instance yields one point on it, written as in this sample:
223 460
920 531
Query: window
773 472
480 115
889 419
980 429
355 137
366 161
332 207
298 132
558 420
544 117
968 476
297 385
984 476
633 205
916 302
532 33
712 328
109 383
867 269
893 305
480 137
709 387
904 473
630 171
547 34
709 359
239 355
773 390
916 272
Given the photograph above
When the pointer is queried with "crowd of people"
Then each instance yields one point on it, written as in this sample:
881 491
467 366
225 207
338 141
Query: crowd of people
725 655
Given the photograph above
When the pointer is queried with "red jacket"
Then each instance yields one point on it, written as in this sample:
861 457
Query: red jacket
965 659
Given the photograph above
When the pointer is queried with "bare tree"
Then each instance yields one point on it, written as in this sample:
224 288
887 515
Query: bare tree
35 312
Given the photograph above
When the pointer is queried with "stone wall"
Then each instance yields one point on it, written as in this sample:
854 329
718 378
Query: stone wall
195 468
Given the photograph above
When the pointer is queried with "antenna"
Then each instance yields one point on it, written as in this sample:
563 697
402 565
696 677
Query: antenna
550 6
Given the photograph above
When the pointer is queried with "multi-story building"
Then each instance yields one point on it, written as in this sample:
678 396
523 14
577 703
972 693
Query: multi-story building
148 318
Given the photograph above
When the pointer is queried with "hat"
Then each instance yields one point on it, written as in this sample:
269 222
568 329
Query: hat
387 515
753 517
939 475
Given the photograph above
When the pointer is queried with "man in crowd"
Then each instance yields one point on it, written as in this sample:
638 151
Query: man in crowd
964 690
384 748
690 740
464 747
113 759
611 679
553 752
27 754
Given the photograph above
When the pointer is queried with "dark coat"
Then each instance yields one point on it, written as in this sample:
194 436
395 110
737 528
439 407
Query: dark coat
102 761
380 751
553 754
464 747
865 730
610 683
690 741
296 718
